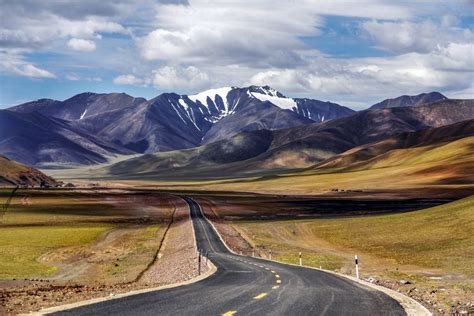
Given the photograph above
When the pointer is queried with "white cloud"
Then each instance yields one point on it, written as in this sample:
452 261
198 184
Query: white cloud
82 45
76 77
174 77
263 33
43 30
208 43
421 37
129 80
14 63
169 77
228 33
448 69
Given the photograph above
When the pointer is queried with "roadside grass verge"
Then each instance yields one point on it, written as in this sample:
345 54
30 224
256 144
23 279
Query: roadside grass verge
432 249
438 238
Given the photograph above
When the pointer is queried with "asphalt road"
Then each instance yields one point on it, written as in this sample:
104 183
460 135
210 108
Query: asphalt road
250 286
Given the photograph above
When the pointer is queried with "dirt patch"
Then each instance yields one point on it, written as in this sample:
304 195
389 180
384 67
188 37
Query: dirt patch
178 258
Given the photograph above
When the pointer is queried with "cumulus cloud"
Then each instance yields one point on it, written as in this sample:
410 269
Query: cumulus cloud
233 32
14 63
169 77
130 80
227 33
40 31
180 77
421 37
80 44
198 44
448 68
76 77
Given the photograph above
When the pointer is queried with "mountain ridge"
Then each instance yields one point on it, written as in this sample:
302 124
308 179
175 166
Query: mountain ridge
297 147
116 123
409 100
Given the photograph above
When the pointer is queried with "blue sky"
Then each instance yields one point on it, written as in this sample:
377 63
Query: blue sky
351 52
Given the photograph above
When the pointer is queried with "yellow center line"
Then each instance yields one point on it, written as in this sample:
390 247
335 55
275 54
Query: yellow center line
277 275
229 313
259 296
278 281
273 271
275 287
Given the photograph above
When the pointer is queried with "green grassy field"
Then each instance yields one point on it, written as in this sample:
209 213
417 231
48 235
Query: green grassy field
20 248
115 235
438 238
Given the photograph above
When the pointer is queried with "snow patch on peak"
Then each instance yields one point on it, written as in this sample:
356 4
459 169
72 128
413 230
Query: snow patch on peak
83 114
268 91
281 102
212 93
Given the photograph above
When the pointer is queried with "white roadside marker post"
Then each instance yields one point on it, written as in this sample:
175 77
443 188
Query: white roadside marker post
357 267
253 252
270 254
301 260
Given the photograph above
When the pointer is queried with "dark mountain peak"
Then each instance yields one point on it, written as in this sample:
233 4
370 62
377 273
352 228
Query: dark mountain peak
80 105
410 100
171 121
82 96
167 96
267 90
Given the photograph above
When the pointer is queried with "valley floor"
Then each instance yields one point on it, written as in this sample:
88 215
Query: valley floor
62 246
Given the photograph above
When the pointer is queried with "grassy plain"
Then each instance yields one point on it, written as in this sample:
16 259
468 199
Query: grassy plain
20 248
438 238
80 235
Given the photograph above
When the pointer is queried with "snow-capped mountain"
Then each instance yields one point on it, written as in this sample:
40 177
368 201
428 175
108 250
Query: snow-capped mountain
171 121
216 104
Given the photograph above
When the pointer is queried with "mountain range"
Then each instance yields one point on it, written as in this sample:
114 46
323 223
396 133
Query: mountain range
218 131
264 151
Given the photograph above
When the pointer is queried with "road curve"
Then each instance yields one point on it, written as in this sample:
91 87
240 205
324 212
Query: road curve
249 286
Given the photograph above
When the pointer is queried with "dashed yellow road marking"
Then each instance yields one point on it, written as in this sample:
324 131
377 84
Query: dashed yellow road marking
259 296
277 275
273 271
275 287
229 313
278 281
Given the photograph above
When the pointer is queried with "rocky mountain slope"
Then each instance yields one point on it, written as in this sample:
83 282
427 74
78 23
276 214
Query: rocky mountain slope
297 147
171 121
88 128
37 140
79 106
14 173
369 153
408 100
